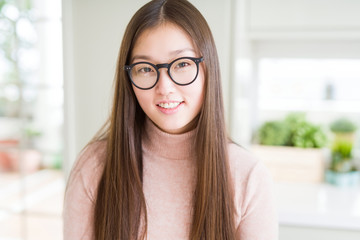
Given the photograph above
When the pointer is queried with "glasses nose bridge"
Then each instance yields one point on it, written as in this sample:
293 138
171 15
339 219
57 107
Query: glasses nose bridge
163 65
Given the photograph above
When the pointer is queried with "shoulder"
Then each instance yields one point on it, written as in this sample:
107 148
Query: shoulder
242 162
245 165
249 174
92 156
88 167
80 195
252 180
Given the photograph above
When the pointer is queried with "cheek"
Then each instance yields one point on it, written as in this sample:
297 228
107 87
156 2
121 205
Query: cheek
201 88
197 93
143 97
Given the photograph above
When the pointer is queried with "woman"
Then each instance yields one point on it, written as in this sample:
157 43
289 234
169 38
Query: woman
163 167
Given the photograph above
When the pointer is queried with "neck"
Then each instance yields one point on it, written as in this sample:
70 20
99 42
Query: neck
168 145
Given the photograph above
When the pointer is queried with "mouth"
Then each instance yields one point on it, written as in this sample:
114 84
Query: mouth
169 105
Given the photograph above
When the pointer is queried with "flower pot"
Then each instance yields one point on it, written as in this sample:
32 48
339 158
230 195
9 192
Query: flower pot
342 179
6 159
14 160
292 164
339 136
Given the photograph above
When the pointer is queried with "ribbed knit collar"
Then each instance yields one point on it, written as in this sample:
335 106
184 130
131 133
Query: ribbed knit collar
170 146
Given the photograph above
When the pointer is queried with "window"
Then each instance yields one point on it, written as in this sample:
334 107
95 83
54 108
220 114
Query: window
309 84
31 119
318 77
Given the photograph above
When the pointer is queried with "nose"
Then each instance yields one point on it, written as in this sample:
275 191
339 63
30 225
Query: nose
165 85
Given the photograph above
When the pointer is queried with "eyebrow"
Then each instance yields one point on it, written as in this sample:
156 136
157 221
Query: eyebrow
172 53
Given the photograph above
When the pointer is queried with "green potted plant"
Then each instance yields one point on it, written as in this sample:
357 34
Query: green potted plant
342 170
292 148
293 131
274 133
303 133
343 129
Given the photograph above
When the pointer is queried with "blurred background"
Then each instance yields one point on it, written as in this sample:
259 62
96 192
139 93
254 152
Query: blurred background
291 82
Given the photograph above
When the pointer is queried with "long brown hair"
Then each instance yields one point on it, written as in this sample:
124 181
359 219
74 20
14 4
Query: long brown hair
120 209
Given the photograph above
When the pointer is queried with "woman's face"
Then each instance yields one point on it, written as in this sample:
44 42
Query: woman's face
173 108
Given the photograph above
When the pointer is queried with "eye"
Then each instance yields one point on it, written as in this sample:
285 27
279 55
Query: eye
182 64
144 70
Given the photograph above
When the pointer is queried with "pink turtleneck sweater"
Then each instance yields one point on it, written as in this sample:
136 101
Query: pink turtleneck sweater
168 181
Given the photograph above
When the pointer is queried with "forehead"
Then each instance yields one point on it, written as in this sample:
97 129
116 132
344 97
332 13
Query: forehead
163 42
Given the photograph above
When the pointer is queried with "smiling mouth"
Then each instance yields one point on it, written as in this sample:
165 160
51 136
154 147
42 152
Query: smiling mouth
169 105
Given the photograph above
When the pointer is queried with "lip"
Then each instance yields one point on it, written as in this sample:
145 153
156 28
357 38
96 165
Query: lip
169 110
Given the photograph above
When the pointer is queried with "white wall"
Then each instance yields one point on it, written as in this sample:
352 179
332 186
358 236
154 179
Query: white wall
92 35
299 15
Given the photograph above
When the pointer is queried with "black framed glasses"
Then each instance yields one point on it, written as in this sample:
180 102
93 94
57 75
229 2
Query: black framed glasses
182 71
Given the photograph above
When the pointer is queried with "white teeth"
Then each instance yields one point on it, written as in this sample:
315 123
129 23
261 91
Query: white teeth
169 105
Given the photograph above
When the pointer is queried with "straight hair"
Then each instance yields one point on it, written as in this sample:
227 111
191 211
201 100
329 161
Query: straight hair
120 209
